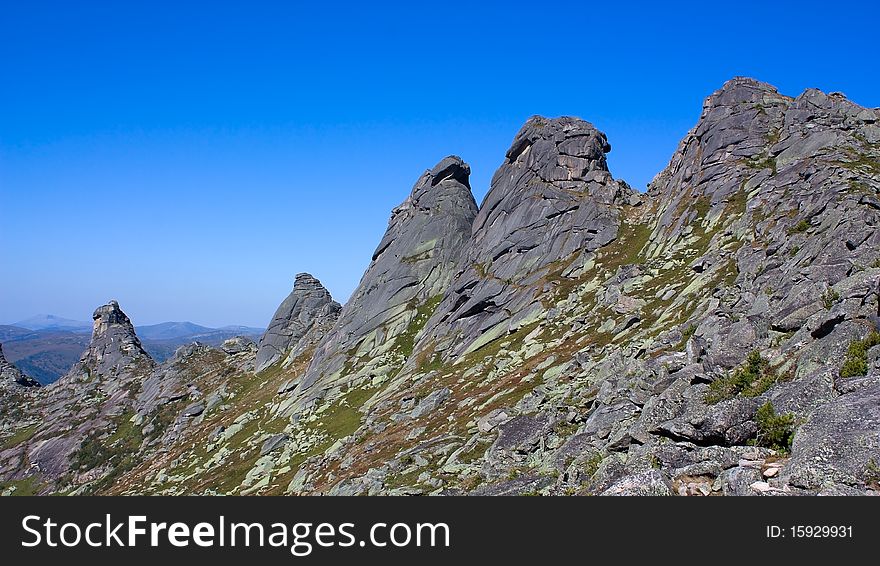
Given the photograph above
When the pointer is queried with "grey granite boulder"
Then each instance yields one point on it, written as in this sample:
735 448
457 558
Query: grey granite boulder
839 443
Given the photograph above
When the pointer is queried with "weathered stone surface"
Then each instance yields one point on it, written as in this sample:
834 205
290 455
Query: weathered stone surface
431 403
648 483
838 443
273 443
299 324
238 345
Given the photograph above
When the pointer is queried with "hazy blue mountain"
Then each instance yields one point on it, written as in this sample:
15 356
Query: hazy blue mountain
171 330
52 322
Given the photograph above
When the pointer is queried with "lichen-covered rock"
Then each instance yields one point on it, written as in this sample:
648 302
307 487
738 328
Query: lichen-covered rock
839 444
648 483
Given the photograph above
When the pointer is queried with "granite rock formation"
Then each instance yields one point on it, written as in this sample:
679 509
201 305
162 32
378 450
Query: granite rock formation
410 270
300 322
714 335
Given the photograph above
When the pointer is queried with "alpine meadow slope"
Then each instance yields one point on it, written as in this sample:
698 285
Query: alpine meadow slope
715 335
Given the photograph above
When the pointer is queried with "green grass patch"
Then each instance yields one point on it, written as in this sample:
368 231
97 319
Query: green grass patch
405 342
856 361
23 487
119 450
830 298
627 248
761 162
591 464
799 228
685 336
20 436
343 417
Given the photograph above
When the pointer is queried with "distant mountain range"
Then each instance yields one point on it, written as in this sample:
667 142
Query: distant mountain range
52 322
46 346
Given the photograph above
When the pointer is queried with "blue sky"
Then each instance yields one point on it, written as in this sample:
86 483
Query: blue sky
190 160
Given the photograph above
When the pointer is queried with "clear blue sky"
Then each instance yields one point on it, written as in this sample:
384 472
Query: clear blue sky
189 159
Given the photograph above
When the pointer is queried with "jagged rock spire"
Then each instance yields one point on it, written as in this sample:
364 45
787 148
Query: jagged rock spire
114 344
412 265
300 322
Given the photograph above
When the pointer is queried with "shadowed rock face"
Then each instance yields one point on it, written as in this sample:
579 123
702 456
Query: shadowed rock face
11 376
412 265
552 199
299 323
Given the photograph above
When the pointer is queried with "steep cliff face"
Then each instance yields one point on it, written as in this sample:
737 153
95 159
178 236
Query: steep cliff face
301 321
714 335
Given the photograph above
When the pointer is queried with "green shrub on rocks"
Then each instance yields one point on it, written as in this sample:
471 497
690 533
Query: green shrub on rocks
686 335
774 431
800 227
830 297
856 361
752 379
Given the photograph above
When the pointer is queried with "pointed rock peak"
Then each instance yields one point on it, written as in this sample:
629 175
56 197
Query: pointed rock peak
307 282
452 167
742 90
299 323
110 314
114 345
11 375
566 135
449 178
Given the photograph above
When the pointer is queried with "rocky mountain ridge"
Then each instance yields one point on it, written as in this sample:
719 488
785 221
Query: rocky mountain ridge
715 335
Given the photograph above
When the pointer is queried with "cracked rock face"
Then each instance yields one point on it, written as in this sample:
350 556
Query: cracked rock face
300 322
552 199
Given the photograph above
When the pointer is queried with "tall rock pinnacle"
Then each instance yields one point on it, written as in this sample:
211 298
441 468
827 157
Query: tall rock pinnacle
299 323
114 345
11 376
411 268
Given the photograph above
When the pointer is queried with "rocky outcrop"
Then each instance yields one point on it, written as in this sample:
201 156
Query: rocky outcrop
301 321
715 335
114 349
11 376
86 403
410 270
551 205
